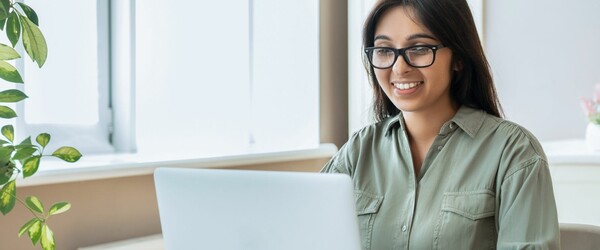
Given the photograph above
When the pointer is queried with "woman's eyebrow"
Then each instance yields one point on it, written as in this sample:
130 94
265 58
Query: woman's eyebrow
383 37
411 37
420 35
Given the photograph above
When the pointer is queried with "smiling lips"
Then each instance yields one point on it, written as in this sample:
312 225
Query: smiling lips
406 85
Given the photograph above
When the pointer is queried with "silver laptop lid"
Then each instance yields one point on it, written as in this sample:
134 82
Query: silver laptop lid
235 209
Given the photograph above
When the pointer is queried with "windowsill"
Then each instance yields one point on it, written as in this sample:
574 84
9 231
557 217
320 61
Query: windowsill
570 152
96 167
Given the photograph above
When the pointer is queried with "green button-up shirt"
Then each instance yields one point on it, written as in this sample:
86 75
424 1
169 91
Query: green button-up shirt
484 184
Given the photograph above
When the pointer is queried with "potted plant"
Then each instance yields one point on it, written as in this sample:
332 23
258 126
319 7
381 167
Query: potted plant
21 158
591 108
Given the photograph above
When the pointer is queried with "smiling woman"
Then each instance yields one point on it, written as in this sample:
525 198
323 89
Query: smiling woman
360 94
440 167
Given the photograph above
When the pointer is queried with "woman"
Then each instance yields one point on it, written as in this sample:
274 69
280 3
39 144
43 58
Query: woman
440 169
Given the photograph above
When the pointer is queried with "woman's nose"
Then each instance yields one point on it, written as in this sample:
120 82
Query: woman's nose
401 67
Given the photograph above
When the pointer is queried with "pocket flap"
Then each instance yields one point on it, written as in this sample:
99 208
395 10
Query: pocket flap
367 203
474 205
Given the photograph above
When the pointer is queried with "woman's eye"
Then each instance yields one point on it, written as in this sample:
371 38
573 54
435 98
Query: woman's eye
383 52
419 50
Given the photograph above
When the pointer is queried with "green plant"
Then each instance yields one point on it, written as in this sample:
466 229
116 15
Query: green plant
21 23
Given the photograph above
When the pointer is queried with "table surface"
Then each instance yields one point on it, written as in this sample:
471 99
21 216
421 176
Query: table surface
567 152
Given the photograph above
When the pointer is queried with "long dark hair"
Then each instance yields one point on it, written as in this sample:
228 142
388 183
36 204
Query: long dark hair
452 23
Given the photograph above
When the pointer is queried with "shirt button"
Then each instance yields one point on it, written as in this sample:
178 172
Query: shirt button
451 125
439 147
404 228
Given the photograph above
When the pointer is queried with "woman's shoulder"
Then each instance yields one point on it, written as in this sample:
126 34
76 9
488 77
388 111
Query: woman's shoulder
515 133
495 132
517 142
516 148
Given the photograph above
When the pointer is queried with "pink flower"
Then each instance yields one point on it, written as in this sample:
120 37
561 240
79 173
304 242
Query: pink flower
591 108
588 106
596 93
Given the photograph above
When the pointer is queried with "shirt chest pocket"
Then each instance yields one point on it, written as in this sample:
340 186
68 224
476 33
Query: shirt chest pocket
466 219
367 206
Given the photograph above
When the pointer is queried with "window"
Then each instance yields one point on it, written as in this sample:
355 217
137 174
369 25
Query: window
217 77
68 96
359 90
207 78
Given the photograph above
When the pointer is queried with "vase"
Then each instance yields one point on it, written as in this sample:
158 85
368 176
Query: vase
592 136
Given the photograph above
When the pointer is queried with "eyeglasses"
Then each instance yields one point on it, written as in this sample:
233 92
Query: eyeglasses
419 56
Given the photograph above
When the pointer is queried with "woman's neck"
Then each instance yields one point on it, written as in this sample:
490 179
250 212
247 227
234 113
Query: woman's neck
422 128
425 125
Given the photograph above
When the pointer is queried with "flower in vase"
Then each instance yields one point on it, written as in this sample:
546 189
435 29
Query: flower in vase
591 107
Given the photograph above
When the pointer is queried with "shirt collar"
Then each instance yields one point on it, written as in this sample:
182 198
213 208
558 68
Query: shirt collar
468 119
393 122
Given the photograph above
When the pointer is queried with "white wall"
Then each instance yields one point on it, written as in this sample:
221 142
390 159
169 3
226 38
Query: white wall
544 56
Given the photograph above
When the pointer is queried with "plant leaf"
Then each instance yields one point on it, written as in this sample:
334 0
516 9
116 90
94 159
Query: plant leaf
9 72
13 28
5 4
6 166
59 207
68 154
7 197
4 10
4 7
12 95
24 153
5 152
35 231
7 113
34 204
31 166
47 238
6 172
25 143
34 41
30 13
43 139
27 225
8 53
5 175
9 132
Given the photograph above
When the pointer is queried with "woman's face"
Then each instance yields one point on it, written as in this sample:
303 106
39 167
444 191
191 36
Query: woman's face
413 89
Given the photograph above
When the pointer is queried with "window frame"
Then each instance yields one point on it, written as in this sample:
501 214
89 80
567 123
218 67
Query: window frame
116 130
97 137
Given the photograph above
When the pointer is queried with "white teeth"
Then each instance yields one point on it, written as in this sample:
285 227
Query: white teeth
409 85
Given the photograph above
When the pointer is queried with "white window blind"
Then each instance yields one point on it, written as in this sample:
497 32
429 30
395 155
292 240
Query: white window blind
222 77
203 77
285 83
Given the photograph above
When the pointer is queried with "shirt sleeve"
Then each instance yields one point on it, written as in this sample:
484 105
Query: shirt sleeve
341 162
527 216
338 163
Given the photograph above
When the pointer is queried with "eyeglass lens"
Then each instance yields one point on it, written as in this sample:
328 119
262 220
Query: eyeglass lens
416 57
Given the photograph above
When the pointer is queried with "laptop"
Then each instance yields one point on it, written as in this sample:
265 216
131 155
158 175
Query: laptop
241 209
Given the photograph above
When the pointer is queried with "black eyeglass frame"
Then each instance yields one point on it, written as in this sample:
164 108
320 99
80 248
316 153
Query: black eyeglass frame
402 51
